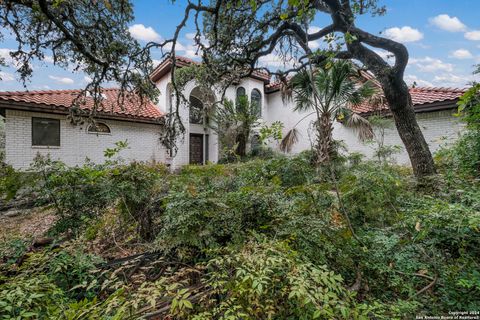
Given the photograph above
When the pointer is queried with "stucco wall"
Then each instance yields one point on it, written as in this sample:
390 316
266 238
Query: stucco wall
76 144
439 128
183 157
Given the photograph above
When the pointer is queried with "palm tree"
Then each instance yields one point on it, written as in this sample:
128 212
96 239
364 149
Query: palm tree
329 91
234 123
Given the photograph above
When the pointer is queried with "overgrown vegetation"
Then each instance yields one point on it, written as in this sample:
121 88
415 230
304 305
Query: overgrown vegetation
262 239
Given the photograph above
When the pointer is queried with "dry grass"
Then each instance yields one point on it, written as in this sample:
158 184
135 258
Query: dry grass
28 224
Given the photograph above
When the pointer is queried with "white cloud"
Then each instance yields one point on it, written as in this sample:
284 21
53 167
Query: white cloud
156 62
178 47
429 64
445 22
87 79
190 35
62 80
315 44
5 54
453 80
192 53
48 59
404 34
462 54
6 76
273 60
473 35
411 79
385 55
140 32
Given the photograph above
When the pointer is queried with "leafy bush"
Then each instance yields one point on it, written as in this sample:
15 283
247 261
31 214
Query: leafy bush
81 194
463 158
30 298
372 193
140 189
78 194
269 280
72 272
12 181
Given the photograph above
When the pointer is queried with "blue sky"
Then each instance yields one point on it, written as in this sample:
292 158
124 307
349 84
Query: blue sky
442 36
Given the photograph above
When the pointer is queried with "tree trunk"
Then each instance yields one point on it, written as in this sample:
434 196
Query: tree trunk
325 139
400 103
241 145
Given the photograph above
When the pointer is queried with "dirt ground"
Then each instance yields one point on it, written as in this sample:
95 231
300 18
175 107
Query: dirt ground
27 223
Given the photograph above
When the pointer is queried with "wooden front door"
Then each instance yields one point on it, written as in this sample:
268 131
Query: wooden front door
196 148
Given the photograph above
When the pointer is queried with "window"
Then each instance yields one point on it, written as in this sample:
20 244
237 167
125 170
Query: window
45 132
240 93
98 127
196 110
256 100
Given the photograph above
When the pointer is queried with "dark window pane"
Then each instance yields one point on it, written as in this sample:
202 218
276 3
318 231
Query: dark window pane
45 132
241 92
240 105
196 110
99 127
256 99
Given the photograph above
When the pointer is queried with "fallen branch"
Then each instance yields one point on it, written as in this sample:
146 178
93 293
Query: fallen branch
429 286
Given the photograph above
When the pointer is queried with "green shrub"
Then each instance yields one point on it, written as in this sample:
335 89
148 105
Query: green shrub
461 159
11 250
29 297
371 193
12 181
72 272
140 189
269 280
78 194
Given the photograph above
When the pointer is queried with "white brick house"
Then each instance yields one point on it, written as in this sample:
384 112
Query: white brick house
36 122
434 107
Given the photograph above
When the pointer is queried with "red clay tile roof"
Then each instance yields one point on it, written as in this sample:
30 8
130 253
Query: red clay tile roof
421 97
164 67
62 100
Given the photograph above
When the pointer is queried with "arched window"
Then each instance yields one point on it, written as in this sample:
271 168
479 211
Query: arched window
98 127
256 101
241 92
196 110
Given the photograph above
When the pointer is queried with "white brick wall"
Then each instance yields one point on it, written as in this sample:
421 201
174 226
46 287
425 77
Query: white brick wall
76 144
439 128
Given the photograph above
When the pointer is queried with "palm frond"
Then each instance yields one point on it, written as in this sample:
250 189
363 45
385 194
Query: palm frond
289 140
286 90
360 125
302 90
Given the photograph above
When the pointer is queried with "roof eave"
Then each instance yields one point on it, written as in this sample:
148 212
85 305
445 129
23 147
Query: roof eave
420 108
46 108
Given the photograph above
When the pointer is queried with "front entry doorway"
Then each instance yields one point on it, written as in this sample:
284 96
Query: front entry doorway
198 148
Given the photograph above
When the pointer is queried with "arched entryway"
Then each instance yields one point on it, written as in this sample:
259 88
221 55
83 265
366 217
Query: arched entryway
200 102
